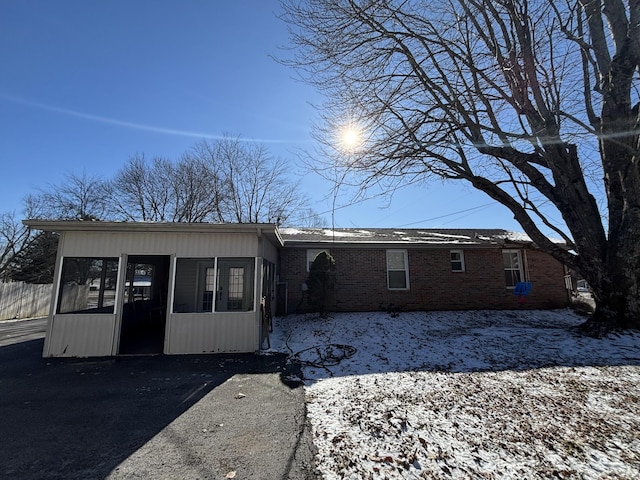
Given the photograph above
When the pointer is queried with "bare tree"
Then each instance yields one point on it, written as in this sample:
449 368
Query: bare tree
226 180
255 187
533 102
195 190
77 197
143 192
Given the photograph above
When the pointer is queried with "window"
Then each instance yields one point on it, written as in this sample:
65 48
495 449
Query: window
207 285
513 273
397 270
209 288
457 260
139 284
195 285
88 285
312 253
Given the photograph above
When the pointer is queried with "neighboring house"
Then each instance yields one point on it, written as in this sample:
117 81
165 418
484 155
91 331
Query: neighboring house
181 288
422 269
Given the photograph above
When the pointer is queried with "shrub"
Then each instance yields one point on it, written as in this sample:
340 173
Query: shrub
321 283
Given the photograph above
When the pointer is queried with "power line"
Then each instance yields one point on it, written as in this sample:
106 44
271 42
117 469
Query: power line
449 214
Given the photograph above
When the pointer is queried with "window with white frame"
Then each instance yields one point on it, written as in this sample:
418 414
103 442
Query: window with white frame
513 271
397 270
457 260
312 253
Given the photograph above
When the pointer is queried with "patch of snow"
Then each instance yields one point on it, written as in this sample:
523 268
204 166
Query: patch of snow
351 233
485 394
446 235
291 231
523 237
516 237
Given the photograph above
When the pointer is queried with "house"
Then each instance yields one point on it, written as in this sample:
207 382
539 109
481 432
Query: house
184 288
423 269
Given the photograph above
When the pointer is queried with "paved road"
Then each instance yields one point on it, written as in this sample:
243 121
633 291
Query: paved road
145 417
15 331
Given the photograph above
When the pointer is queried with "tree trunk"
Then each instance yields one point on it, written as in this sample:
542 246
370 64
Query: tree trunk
616 287
616 290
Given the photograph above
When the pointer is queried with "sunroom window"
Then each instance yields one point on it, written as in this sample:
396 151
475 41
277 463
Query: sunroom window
88 285
207 285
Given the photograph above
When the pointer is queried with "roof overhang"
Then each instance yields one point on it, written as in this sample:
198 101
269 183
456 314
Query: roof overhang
268 230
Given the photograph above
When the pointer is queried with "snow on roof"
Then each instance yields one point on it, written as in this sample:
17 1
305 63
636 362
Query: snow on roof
405 236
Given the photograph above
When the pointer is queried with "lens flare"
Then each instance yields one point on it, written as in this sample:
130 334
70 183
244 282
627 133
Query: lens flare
350 137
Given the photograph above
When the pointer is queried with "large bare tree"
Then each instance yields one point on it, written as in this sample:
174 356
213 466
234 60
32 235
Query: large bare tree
224 180
164 191
76 197
534 102
254 186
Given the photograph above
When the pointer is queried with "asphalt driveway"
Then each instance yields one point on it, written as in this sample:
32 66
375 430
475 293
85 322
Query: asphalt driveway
169 417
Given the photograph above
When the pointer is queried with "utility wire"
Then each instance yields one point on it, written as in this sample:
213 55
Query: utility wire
485 205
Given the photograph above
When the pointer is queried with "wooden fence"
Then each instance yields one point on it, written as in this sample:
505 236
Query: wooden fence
24 300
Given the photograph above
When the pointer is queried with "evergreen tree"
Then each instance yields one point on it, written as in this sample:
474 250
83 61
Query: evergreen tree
36 262
321 282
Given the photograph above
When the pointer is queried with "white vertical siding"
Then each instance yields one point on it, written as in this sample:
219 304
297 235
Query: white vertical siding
81 335
85 244
212 333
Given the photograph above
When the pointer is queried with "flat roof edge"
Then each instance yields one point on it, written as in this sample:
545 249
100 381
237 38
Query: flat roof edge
172 227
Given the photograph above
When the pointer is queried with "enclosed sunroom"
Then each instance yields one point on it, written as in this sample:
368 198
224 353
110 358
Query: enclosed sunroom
173 288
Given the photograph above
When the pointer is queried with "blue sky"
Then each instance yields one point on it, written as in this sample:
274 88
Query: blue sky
87 84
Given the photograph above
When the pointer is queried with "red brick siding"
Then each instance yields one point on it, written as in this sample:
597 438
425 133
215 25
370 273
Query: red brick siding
361 280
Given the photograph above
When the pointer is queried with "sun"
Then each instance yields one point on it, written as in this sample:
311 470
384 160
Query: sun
350 137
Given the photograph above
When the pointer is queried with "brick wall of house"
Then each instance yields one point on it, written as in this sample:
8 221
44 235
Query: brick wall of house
361 281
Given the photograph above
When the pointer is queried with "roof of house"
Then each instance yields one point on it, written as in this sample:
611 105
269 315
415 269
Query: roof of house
267 229
434 237
305 236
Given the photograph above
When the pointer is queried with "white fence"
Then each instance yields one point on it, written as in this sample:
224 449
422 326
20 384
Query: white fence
24 300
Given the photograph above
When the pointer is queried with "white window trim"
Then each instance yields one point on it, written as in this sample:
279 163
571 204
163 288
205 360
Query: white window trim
406 268
461 253
520 268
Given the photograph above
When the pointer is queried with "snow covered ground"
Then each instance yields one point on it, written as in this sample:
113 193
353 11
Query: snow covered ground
516 394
